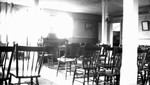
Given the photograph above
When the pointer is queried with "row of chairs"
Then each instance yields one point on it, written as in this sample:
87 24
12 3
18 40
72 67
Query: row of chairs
143 64
112 66
92 62
109 66
20 62
101 64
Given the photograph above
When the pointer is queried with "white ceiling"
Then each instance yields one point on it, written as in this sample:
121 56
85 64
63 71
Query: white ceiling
115 7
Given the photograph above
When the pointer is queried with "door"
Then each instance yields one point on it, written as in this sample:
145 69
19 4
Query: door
116 34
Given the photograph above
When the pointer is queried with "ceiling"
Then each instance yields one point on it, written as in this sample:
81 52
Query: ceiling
115 7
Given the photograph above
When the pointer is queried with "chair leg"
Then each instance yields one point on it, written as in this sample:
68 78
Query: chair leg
70 67
94 78
19 81
84 74
97 80
31 81
10 80
110 79
5 82
105 79
37 81
88 72
74 76
47 61
117 79
58 68
1 82
52 62
66 65
148 78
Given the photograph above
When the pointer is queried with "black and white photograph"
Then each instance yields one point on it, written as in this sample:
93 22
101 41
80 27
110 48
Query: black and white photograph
74 42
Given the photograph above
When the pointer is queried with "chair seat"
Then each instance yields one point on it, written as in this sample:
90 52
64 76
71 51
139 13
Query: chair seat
105 73
108 72
69 52
91 67
104 65
48 54
62 59
26 75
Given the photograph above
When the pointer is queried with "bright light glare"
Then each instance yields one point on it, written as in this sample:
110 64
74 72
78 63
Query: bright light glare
63 26
23 24
34 23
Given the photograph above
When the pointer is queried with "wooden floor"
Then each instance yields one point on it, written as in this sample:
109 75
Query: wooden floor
49 75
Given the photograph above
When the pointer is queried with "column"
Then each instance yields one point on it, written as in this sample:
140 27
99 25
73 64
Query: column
129 55
110 34
104 22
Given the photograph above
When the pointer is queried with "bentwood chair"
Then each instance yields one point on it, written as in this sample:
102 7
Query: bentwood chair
6 55
28 62
69 57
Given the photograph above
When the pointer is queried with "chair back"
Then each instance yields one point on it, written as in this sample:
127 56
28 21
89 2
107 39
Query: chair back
116 60
103 53
29 60
90 54
118 57
141 59
111 59
71 50
103 48
6 55
110 54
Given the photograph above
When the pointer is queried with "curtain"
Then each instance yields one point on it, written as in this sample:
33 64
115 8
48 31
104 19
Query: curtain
18 24
5 14
26 25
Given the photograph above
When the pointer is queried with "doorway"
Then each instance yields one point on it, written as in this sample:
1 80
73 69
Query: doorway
116 34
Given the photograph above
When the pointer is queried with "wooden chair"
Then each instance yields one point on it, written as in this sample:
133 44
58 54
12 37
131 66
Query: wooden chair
109 68
114 65
28 62
6 55
69 57
49 55
142 65
85 65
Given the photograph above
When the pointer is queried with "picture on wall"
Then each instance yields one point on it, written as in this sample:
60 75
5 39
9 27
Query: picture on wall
88 25
145 25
